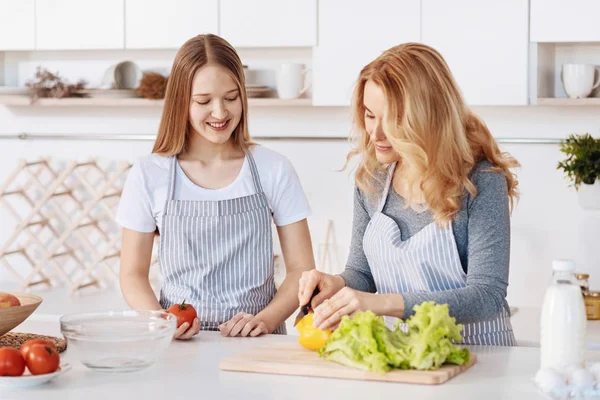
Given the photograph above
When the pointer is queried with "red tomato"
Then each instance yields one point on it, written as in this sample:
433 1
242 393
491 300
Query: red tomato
27 345
183 312
42 359
11 362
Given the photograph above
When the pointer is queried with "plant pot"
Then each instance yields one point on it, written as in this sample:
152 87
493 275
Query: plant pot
589 196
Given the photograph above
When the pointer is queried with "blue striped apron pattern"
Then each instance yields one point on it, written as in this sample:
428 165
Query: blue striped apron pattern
426 262
218 255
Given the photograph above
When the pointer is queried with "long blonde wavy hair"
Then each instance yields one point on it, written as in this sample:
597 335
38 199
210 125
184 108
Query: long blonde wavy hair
439 139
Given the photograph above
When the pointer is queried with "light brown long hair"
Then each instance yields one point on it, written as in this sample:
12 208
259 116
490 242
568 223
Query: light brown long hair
428 123
197 52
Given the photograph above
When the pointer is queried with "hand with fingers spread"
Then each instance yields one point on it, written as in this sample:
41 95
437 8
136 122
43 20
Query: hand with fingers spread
345 302
185 331
328 286
243 324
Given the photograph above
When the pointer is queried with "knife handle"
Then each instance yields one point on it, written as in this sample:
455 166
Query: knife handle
307 306
315 292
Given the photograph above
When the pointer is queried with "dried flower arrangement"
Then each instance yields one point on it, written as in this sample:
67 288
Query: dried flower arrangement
47 84
153 86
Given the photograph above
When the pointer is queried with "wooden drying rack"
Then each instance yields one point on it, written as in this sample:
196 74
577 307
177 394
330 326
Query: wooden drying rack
65 223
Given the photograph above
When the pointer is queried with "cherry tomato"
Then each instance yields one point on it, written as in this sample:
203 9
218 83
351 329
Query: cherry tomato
183 312
11 362
42 359
27 345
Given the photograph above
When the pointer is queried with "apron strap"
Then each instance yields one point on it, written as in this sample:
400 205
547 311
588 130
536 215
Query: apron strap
172 171
386 188
254 171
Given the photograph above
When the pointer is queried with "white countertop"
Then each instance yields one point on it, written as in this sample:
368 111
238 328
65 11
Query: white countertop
189 369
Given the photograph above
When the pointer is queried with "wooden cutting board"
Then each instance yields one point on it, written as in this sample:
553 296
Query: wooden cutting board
288 358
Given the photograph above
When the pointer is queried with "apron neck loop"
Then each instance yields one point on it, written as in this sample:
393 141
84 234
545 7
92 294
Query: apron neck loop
251 163
386 188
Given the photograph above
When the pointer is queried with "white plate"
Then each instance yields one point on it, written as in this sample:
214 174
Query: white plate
28 380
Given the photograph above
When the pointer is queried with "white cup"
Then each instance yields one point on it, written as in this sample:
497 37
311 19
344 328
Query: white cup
124 75
290 80
578 79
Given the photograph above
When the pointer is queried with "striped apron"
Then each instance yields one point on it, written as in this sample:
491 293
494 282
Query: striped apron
426 262
217 255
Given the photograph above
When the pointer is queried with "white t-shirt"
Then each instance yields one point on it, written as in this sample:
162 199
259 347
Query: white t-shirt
145 192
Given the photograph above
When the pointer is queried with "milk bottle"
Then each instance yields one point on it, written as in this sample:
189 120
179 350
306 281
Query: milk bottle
563 320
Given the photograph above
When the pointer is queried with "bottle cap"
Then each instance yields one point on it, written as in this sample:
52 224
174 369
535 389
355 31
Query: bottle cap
563 265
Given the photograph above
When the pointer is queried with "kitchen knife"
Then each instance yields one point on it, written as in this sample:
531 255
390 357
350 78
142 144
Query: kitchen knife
305 308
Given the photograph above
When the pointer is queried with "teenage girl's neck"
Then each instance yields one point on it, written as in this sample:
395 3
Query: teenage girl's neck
205 151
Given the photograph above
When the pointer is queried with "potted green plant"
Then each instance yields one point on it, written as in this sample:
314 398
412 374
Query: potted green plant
582 168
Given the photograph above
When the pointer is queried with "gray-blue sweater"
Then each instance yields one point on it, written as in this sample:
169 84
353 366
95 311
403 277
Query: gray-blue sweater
482 234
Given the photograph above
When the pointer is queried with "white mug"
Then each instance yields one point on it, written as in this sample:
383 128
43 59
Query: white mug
124 75
578 79
290 80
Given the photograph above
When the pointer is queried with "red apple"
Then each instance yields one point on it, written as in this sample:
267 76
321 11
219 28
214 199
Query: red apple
8 300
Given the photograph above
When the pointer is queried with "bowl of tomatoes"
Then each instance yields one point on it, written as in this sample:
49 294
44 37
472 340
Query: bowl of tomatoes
36 361
118 341
16 308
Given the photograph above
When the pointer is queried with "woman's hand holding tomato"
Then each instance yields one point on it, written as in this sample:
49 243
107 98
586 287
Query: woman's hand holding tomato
188 323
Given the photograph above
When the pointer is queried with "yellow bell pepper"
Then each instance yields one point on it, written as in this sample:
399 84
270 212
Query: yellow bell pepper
311 338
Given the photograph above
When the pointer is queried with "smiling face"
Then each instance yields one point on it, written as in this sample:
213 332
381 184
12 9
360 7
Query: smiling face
216 105
375 102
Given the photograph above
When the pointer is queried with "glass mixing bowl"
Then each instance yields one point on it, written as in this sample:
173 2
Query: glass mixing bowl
118 341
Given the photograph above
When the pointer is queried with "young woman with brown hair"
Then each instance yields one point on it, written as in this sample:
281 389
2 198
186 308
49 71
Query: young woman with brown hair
432 204
213 195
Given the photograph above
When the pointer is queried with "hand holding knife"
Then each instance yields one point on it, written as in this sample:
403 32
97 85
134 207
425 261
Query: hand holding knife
305 309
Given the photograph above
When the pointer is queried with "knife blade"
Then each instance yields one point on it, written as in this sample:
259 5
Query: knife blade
305 308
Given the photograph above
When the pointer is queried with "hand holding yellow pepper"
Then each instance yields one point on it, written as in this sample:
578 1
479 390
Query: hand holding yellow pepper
311 338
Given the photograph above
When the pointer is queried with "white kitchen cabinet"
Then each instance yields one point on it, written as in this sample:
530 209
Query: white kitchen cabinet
17 19
269 23
79 24
167 24
351 34
565 21
485 43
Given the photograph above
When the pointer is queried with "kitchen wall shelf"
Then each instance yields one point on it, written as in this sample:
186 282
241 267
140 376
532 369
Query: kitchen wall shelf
25 101
564 101
20 100
547 61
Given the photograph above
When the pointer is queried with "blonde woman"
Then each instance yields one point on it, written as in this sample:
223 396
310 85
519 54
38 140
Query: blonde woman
431 215
213 195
